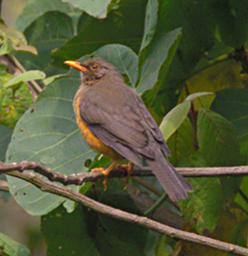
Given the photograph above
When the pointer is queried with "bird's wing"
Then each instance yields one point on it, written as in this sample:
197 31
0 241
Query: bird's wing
130 129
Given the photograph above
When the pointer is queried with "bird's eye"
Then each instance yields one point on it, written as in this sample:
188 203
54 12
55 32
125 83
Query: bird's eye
94 66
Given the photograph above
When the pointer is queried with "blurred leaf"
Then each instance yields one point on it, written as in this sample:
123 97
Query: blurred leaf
163 248
225 74
150 23
5 135
13 101
94 33
47 33
98 9
44 134
194 17
232 104
13 40
159 56
217 139
181 144
204 205
196 95
111 234
174 119
72 240
35 8
5 45
231 20
51 79
122 57
178 114
25 77
9 247
93 233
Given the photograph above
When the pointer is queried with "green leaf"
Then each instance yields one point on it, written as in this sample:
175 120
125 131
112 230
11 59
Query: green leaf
204 205
5 46
233 105
217 139
159 56
25 77
181 144
94 33
48 134
122 57
196 95
98 9
35 8
231 21
174 119
59 226
9 247
47 33
5 135
150 23
178 114
93 233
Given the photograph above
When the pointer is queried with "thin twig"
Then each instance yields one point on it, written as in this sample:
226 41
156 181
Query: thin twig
128 217
80 178
33 84
155 206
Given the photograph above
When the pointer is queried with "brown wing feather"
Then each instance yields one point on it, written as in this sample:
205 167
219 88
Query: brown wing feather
125 125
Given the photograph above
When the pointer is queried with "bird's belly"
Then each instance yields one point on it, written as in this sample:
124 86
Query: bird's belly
92 140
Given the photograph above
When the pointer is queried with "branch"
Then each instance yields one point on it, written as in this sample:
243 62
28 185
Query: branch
128 217
4 186
80 178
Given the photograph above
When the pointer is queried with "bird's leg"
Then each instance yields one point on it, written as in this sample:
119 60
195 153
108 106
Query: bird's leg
105 173
129 168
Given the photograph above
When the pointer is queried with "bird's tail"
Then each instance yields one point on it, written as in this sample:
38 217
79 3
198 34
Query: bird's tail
172 182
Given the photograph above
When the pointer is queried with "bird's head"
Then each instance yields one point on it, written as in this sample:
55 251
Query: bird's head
92 70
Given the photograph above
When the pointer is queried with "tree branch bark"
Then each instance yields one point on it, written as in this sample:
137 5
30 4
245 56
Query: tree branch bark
4 186
80 178
49 187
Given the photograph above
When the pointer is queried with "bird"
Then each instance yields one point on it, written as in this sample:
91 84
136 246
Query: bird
114 121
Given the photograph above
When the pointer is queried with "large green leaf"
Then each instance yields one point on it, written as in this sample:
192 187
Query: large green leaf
5 135
122 57
181 144
98 9
204 205
47 134
231 20
93 234
174 119
178 114
217 139
35 8
67 234
47 33
233 105
150 23
94 33
9 247
157 60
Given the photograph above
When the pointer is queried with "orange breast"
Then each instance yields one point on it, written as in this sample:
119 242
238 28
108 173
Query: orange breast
90 138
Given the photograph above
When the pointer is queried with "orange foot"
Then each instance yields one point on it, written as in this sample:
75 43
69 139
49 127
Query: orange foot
129 168
105 173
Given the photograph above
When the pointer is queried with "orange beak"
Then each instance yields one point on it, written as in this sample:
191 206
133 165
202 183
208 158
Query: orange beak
77 65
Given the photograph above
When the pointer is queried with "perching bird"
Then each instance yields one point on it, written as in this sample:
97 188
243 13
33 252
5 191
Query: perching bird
115 122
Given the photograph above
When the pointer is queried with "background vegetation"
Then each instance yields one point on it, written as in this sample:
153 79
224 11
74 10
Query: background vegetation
188 60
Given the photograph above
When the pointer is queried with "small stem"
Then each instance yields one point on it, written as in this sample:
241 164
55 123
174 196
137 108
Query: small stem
156 205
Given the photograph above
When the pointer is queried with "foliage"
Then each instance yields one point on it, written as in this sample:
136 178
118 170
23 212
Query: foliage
187 59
